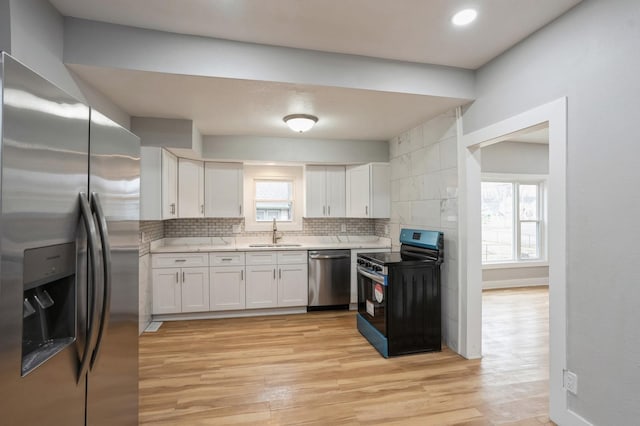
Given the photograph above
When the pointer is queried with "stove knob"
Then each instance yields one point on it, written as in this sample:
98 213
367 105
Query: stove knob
377 268
360 262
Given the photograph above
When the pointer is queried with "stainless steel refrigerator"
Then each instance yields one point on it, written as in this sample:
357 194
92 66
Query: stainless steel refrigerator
69 210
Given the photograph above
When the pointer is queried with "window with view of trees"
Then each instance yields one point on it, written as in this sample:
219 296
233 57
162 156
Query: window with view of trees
512 226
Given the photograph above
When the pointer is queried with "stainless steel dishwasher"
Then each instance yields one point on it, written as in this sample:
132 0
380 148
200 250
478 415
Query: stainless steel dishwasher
329 278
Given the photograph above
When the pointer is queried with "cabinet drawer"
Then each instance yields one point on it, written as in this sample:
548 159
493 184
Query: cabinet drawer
262 258
226 259
292 257
173 260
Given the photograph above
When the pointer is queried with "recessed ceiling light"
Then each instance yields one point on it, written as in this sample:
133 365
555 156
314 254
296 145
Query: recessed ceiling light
464 17
300 122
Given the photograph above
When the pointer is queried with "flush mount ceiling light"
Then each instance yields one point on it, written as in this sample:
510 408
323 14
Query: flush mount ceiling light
300 122
464 17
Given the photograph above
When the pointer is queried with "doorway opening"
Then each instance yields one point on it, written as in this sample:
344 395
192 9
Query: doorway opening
554 116
515 273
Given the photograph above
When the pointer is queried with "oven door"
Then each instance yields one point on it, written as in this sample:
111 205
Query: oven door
372 299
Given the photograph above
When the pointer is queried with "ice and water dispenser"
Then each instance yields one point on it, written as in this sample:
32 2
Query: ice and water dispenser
49 303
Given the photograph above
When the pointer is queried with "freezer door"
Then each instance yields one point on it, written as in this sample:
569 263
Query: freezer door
112 388
43 283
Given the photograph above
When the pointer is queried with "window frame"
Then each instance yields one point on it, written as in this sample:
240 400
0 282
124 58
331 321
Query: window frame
541 182
259 172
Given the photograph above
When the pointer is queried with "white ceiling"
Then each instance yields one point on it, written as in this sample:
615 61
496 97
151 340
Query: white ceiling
407 30
240 107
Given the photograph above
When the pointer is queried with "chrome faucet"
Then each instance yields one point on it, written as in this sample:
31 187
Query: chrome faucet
275 237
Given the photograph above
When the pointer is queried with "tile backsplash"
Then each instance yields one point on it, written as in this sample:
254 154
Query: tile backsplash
218 227
150 230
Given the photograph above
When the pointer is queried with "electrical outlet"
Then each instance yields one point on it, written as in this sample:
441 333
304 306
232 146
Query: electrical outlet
343 227
571 381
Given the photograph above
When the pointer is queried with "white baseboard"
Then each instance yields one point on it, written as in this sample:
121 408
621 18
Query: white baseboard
230 314
520 282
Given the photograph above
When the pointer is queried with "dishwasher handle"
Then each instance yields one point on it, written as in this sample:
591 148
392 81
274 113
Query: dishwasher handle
329 256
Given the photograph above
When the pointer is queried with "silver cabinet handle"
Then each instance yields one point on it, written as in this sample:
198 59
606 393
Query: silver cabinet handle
181 260
324 210
240 209
226 259
329 211
274 273
280 274
202 208
92 312
106 256
241 274
177 277
366 210
183 276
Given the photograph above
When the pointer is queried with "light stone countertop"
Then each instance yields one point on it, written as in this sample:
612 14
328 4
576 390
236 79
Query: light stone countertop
210 244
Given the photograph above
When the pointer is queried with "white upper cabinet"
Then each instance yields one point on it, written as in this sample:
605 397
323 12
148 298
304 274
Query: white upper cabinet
169 185
325 191
223 189
190 188
158 184
368 191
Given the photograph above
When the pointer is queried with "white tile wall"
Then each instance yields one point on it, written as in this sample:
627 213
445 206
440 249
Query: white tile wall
424 195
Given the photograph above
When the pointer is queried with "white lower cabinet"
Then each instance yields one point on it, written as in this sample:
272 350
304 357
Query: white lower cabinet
220 281
227 290
177 290
292 285
167 293
262 287
282 282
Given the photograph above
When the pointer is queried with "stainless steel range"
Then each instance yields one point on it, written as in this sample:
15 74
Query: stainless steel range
399 295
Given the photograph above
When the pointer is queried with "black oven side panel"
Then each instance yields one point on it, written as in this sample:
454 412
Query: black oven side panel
414 309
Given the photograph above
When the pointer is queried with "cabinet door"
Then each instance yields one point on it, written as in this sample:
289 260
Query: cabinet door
316 189
223 190
336 195
358 191
292 285
195 289
169 185
262 287
190 188
227 290
167 296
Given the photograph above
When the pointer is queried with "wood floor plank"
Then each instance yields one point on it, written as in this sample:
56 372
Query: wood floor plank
316 369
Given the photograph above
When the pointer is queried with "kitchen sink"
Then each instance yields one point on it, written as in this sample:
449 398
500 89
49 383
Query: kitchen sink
274 245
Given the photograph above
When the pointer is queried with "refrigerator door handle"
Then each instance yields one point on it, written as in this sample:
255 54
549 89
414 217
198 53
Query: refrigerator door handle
87 219
106 257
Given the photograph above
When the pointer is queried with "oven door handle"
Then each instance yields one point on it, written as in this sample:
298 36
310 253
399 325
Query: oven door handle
374 277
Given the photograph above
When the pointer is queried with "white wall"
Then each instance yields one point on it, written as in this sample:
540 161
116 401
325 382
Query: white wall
591 56
322 151
37 34
107 45
424 195
145 293
516 158
5 27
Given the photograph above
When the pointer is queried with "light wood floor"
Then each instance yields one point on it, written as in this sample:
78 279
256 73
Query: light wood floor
316 369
